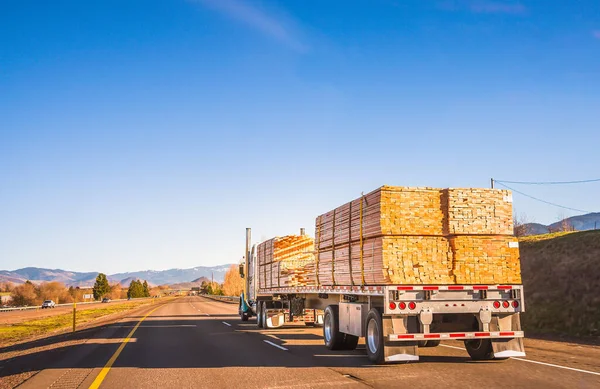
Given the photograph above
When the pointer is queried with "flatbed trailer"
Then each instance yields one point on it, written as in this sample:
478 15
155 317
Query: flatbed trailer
395 320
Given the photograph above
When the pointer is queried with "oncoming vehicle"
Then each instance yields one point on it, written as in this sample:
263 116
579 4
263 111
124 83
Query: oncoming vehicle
48 304
106 300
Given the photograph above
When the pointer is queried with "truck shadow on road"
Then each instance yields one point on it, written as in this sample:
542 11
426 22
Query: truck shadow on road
184 341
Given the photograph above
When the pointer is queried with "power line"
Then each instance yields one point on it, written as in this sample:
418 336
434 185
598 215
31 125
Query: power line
540 200
548 182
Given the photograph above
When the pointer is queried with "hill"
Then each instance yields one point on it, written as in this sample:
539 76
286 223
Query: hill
189 285
585 222
70 278
561 281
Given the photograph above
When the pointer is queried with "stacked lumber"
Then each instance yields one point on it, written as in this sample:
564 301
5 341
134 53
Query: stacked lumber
398 235
388 260
285 262
486 259
475 211
385 211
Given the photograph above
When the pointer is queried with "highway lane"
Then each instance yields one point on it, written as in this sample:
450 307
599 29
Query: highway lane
195 342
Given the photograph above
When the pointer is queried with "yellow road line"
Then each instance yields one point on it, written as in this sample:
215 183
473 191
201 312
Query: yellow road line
111 361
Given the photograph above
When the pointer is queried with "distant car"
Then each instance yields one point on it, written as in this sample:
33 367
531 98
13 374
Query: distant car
48 304
106 300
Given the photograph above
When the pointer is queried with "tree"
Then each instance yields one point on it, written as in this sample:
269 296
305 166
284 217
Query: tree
101 287
55 291
136 290
214 288
146 289
25 294
115 291
522 225
233 285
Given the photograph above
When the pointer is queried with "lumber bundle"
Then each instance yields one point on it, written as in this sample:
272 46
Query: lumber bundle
385 211
398 235
475 211
486 259
285 262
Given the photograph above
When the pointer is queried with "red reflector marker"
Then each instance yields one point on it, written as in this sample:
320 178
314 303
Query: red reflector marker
480 287
505 304
402 305
412 305
392 305
497 304
406 336
505 287
431 336
507 334
430 288
405 288
455 287
482 334
515 304
458 335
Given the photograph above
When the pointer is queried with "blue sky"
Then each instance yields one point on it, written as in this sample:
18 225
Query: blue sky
149 134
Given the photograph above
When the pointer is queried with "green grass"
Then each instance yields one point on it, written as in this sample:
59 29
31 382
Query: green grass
20 331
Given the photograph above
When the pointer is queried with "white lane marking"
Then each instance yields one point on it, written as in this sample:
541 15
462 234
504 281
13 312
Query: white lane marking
558 366
227 324
539 363
275 345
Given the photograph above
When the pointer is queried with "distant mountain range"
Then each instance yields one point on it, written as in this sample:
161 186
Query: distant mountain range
585 222
154 277
188 285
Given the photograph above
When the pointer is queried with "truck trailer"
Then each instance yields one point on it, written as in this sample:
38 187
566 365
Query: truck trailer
395 319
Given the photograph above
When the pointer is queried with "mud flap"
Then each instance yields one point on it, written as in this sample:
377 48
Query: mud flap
506 348
394 351
275 319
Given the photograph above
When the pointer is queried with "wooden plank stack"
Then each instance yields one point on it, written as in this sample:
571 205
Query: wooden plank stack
285 261
399 235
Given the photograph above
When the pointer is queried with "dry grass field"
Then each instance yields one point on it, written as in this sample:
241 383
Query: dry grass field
561 276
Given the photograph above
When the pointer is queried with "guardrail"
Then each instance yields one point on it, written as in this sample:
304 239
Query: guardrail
229 299
65 304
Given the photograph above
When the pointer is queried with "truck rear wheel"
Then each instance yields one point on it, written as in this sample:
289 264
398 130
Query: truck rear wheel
350 342
334 339
263 312
374 337
259 317
480 349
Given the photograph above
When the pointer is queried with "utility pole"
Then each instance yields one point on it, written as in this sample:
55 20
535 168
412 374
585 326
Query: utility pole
492 182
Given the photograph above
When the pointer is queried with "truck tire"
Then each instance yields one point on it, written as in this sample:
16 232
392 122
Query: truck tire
480 349
259 317
334 339
350 342
263 312
374 337
429 343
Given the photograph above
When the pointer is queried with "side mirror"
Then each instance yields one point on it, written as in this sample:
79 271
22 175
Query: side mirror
242 270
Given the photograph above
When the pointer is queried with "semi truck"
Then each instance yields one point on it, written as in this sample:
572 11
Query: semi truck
395 320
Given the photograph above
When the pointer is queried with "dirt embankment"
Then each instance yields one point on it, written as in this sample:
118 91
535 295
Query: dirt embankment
561 277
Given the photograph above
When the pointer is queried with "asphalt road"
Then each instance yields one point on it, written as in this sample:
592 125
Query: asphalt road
200 343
